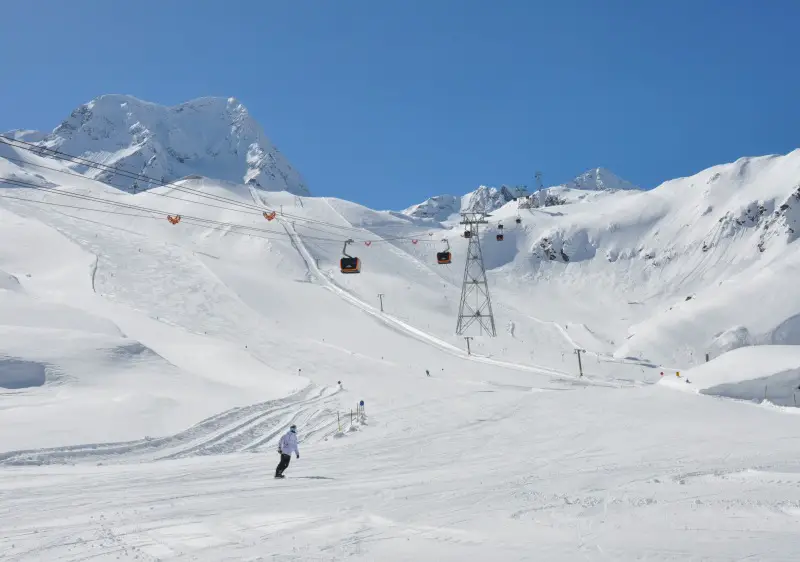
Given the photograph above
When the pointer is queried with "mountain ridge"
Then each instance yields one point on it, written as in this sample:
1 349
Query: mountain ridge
208 136
488 199
600 179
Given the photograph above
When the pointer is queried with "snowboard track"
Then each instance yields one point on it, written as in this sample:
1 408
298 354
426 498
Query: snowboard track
242 429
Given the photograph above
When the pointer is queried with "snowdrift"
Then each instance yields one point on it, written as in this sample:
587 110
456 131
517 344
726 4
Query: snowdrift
759 373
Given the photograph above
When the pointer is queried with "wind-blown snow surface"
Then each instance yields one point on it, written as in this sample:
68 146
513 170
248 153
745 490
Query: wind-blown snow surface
150 369
213 137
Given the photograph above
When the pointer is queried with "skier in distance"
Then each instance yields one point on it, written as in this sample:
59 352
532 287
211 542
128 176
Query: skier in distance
286 445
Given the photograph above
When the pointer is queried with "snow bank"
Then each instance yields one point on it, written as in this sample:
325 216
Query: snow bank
754 307
19 309
765 372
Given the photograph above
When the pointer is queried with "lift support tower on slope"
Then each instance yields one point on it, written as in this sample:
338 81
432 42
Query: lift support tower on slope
475 288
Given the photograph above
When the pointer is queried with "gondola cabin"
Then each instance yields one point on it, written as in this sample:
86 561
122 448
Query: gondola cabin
519 220
499 237
350 265
443 258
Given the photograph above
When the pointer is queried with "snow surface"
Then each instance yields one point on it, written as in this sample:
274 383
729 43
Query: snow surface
764 373
147 371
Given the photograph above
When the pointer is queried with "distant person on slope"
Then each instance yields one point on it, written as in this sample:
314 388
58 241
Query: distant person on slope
286 446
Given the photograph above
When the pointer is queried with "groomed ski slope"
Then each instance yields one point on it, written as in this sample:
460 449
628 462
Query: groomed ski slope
486 472
174 357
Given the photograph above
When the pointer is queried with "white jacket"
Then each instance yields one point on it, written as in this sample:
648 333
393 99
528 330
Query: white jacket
288 444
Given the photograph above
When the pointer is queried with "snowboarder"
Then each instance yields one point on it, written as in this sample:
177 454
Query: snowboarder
286 445
427 372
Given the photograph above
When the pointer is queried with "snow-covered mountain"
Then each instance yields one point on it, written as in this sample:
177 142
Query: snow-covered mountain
446 207
486 199
211 137
127 339
600 179
26 135
651 246
680 260
439 208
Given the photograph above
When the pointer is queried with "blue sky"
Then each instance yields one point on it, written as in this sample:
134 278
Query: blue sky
387 102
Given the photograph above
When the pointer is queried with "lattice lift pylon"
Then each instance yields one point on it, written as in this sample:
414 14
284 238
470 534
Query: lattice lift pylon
476 303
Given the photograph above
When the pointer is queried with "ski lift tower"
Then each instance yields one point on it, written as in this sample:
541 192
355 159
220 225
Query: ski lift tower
476 304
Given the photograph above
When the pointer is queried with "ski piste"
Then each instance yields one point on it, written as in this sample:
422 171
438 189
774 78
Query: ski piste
149 367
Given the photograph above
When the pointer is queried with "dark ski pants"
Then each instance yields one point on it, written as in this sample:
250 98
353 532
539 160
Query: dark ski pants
283 465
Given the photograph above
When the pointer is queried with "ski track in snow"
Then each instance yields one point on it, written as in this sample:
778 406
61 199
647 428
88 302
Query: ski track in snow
248 428
574 500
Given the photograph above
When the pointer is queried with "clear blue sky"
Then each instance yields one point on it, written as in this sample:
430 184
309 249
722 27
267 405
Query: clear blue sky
387 102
